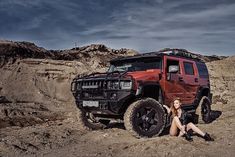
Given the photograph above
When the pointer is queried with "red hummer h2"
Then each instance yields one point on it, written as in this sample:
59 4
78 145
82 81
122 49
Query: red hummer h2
135 88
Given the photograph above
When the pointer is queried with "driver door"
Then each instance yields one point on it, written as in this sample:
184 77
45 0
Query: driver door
173 82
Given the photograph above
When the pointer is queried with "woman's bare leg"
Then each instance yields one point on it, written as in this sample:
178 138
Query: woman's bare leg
182 133
179 125
176 124
173 129
195 129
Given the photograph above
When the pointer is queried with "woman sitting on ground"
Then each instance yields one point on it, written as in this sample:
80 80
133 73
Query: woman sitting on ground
180 126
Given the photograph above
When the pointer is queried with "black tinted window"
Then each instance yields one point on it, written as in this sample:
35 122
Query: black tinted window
202 70
188 68
172 62
140 64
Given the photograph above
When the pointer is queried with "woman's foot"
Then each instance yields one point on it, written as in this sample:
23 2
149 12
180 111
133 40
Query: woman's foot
207 137
188 137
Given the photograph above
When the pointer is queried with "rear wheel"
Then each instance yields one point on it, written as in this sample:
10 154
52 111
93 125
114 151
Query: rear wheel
204 110
145 118
88 121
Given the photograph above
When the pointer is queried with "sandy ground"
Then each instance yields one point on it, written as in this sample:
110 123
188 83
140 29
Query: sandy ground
65 138
45 124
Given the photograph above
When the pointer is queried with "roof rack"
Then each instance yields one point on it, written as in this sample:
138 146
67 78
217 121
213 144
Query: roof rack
176 52
167 51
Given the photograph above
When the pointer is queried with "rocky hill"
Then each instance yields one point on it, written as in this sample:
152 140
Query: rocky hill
97 54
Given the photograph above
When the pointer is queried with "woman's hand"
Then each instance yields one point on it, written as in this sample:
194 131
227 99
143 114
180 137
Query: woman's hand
167 108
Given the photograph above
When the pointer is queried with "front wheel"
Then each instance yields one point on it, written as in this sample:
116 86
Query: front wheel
145 118
88 121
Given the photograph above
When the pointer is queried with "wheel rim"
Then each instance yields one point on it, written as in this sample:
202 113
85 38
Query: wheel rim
146 119
90 118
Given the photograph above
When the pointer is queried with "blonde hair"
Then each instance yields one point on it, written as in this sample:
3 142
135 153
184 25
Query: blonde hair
173 109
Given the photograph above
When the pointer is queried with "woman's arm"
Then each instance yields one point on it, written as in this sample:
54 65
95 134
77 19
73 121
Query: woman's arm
167 108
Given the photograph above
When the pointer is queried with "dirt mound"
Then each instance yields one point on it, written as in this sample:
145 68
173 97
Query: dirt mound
11 51
29 80
222 77
25 114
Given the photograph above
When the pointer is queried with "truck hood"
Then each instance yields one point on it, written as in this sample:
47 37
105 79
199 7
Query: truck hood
148 75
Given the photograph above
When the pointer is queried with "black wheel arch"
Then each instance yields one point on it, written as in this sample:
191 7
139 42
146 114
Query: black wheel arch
141 93
151 90
201 91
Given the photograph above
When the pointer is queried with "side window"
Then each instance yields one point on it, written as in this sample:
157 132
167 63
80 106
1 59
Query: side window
188 68
172 62
202 70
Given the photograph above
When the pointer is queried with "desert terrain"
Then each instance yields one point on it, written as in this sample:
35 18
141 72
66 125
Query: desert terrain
38 112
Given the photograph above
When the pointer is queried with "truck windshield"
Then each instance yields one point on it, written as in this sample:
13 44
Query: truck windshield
140 64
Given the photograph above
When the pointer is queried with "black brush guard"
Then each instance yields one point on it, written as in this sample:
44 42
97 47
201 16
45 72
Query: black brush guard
95 87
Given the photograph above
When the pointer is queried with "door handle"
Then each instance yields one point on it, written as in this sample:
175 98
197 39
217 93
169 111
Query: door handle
196 79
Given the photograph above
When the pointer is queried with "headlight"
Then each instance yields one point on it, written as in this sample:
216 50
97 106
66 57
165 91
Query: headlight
126 84
113 85
123 85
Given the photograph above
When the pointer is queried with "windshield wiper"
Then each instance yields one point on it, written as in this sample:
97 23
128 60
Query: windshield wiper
110 73
119 72
124 73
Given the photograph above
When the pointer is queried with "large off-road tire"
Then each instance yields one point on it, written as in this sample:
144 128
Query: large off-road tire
88 122
145 118
203 110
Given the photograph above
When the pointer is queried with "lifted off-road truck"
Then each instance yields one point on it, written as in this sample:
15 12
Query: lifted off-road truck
135 88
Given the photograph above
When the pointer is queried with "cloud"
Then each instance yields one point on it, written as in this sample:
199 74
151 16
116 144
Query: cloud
145 24
204 25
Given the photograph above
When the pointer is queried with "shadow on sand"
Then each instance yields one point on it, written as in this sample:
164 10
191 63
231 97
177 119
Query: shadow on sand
214 114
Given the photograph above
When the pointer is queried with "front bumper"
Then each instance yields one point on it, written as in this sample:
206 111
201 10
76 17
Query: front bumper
108 106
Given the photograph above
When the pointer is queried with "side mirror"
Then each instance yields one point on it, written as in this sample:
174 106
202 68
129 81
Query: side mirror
173 68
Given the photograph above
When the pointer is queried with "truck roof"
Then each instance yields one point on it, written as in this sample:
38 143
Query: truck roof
182 53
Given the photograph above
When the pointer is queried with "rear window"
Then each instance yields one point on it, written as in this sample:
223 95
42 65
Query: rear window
202 70
188 68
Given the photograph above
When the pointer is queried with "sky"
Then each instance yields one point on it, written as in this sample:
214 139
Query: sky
201 26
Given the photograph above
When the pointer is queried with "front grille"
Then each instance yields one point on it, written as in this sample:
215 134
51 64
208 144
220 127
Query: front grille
92 84
92 89
98 88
